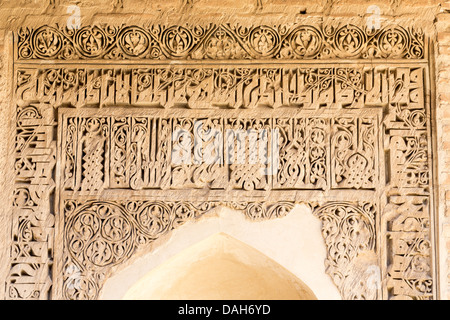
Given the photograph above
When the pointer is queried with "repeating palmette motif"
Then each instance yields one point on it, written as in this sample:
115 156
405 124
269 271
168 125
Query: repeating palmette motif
315 129
220 42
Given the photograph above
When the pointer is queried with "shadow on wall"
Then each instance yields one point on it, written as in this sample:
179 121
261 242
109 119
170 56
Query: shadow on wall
220 268
224 255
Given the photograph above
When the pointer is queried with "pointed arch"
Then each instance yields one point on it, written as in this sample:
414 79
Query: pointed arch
220 267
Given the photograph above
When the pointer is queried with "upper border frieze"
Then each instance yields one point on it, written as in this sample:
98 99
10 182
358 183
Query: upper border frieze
219 42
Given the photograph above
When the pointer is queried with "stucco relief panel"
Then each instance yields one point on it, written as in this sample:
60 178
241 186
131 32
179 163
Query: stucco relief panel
104 154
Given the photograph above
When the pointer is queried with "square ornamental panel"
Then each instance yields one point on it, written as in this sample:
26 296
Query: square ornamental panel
123 133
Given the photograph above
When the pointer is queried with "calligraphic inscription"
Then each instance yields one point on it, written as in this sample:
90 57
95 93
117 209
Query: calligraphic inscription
228 87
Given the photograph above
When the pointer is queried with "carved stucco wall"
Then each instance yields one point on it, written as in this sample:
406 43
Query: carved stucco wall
380 87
